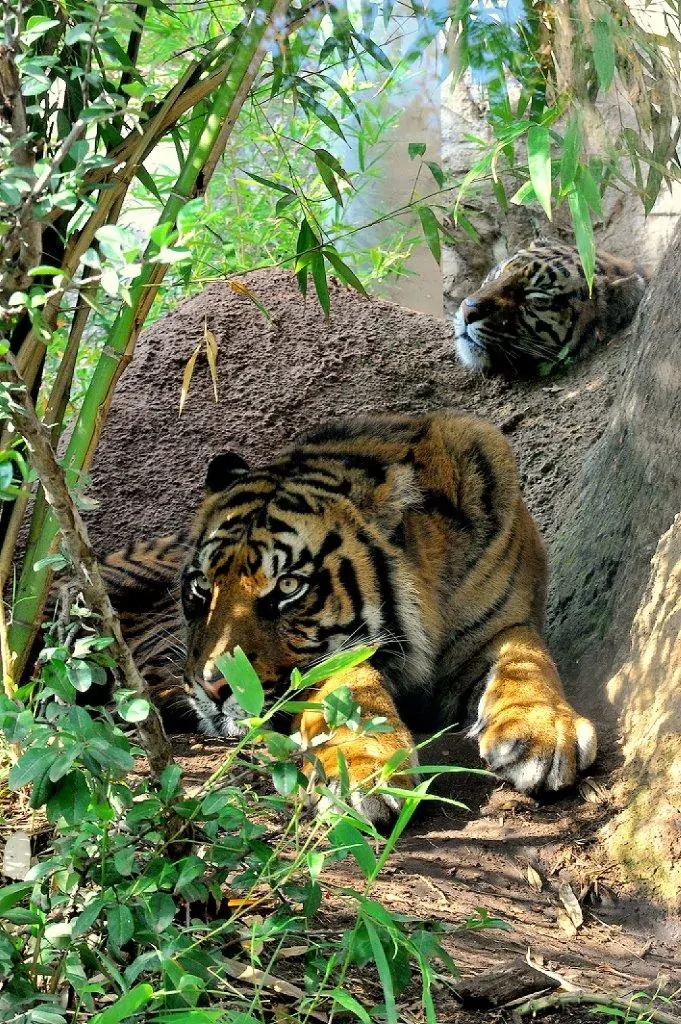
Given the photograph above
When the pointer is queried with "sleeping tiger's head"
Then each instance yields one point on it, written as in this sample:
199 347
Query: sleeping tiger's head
291 563
534 311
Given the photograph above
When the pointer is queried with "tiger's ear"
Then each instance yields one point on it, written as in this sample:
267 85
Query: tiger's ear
223 471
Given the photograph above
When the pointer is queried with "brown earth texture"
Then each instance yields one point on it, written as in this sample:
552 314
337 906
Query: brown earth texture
280 374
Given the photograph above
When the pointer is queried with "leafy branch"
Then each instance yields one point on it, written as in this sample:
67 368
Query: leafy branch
16 404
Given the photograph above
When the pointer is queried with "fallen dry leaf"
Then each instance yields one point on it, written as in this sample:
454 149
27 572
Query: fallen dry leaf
211 343
571 904
565 923
534 878
592 792
187 376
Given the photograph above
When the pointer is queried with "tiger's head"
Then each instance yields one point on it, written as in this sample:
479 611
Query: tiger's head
533 311
291 563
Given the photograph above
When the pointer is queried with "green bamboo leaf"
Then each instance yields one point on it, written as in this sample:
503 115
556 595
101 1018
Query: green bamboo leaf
344 836
539 163
294 707
320 282
348 1002
344 271
305 243
409 805
334 163
330 44
604 52
572 147
524 195
463 222
329 179
283 203
436 171
341 708
243 680
431 230
416 149
584 234
340 91
186 1016
375 51
126 1006
313 106
336 663
269 183
588 188
383 968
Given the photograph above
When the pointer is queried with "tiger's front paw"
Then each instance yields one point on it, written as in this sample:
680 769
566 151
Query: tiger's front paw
365 763
537 744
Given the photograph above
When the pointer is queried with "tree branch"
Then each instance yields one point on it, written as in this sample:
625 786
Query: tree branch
581 998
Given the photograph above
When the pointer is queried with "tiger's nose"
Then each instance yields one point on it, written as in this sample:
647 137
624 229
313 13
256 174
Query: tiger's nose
471 310
215 684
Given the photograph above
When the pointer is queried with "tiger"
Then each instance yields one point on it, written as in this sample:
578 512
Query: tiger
533 311
408 533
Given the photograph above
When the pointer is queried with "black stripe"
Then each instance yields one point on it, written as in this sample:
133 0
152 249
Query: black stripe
477 456
438 503
321 592
331 543
347 577
486 617
294 503
279 525
383 575
237 496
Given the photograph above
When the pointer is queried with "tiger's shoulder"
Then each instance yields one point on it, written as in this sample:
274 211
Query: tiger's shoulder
534 310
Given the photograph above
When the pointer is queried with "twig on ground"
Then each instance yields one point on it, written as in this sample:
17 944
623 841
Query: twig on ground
581 998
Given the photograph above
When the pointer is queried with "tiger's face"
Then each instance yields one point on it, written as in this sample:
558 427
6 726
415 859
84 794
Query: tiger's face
282 568
534 311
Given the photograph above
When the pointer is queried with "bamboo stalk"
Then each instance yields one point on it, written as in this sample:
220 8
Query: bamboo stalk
228 100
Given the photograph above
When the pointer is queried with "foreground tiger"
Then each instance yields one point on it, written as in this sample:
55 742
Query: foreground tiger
534 311
406 528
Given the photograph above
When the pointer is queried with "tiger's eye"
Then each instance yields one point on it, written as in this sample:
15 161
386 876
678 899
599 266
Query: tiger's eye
289 585
196 591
